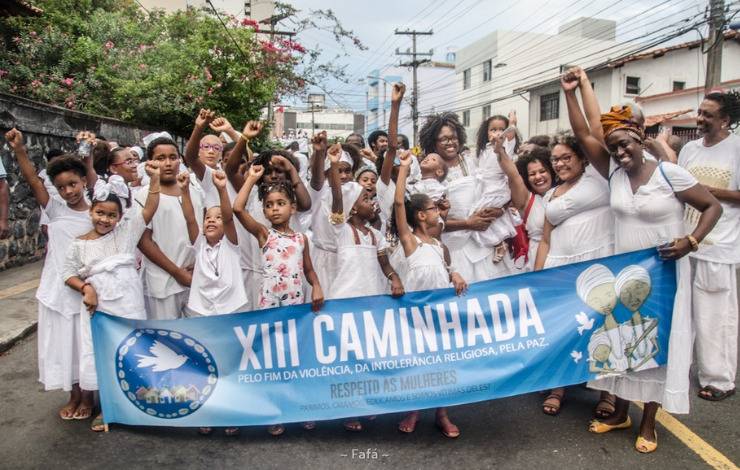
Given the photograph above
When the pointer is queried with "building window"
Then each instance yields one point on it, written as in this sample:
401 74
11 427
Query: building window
486 111
549 106
466 118
633 86
487 70
466 79
679 86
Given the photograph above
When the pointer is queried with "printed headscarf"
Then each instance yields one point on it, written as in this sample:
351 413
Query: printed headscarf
620 118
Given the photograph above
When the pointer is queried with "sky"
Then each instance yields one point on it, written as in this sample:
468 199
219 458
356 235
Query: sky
458 23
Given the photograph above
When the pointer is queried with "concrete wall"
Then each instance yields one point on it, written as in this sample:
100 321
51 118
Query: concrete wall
44 127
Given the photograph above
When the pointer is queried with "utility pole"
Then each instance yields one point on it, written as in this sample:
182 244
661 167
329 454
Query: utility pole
715 40
273 21
414 64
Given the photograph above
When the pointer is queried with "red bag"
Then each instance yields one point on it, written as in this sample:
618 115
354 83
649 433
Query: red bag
521 239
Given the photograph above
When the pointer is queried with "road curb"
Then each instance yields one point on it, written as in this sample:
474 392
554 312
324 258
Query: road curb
6 344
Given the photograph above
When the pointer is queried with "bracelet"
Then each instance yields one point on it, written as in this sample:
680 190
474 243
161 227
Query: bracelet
154 192
246 139
390 274
336 218
694 242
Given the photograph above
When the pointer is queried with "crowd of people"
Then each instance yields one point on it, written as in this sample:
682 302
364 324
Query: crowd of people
148 233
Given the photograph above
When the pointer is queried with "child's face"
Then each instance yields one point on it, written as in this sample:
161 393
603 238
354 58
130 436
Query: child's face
368 180
364 207
169 163
213 225
274 173
211 150
104 216
496 128
71 187
432 166
278 208
345 172
429 214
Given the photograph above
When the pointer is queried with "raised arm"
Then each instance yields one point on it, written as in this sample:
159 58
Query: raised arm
204 118
227 214
519 191
92 175
221 124
397 93
319 144
591 106
405 234
334 153
15 140
188 211
240 203
594 148
152 199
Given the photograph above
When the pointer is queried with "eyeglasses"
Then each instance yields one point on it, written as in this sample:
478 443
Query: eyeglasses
564 159
433 208
447 140
214 147
128 161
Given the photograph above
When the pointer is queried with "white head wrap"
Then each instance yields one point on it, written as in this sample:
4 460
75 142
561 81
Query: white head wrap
631 273
115 185
138 151
350 192
594 276
344 157
155 135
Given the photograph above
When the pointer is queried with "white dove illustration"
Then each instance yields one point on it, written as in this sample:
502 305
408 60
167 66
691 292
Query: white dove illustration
576 355
585 322
162 359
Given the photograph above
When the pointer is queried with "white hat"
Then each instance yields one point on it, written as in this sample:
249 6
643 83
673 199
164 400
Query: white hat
344 157
351 191
155 135
138 151
631 273
593 276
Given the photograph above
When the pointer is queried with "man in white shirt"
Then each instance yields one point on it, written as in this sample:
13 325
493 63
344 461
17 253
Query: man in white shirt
715 161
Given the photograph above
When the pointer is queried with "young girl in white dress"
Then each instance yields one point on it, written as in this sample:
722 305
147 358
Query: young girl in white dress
286 259
428 265
59 306
217 286
648 199
101 265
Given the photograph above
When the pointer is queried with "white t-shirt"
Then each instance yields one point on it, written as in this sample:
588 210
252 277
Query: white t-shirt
217 287
717 166
170 232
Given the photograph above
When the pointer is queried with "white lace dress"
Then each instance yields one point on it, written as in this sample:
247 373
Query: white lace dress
650 217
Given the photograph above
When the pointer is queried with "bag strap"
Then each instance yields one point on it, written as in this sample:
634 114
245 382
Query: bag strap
529 208
662 172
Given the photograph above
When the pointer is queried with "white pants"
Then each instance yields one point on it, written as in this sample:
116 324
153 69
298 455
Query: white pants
168 308
58 349
715 312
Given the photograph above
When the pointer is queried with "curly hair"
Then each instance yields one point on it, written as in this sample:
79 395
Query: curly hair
537 154
433 126
482 136
570 141
63 163
729 105
264 158
372 139
281 187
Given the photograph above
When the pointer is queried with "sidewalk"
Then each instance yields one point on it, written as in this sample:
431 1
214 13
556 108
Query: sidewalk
18 310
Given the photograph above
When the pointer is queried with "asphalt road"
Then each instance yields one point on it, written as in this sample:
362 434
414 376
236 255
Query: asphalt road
506 433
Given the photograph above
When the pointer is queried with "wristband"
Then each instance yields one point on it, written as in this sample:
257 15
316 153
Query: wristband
693 241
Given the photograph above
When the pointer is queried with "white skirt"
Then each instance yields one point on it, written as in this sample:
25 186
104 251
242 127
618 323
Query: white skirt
668 384
58 349
325 266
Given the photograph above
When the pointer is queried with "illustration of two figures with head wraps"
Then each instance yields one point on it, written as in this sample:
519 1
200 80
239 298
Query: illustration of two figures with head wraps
616 348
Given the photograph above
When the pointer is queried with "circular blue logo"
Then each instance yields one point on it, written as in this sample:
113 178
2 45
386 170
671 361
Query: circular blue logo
165 373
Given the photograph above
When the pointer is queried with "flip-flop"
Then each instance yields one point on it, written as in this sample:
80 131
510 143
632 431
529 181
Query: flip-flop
555 408
98 425
715 394
71 408
83 412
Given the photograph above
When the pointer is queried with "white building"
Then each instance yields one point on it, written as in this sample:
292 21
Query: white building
491 72
255 9
435 80
292 121
667 82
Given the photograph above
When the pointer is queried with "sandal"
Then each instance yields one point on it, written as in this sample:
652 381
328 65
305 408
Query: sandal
598 427
448 429
644 446
276 429
711 393
231 432
353 425
68 411
83 412
606 406
98 425
408 423
551 405
205 431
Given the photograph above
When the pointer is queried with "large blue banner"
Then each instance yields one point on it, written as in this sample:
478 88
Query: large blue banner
374 355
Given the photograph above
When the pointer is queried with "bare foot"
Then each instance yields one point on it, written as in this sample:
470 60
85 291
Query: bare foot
408 423
67 412
353 425
447 427
276 429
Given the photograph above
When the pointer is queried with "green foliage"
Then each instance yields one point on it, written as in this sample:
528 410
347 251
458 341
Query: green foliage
109 57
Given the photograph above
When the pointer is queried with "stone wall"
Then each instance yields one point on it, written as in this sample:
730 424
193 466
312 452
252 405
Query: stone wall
44 128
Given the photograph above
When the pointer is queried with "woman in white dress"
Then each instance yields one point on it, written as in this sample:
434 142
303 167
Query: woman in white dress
648 201
536 178
579 226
